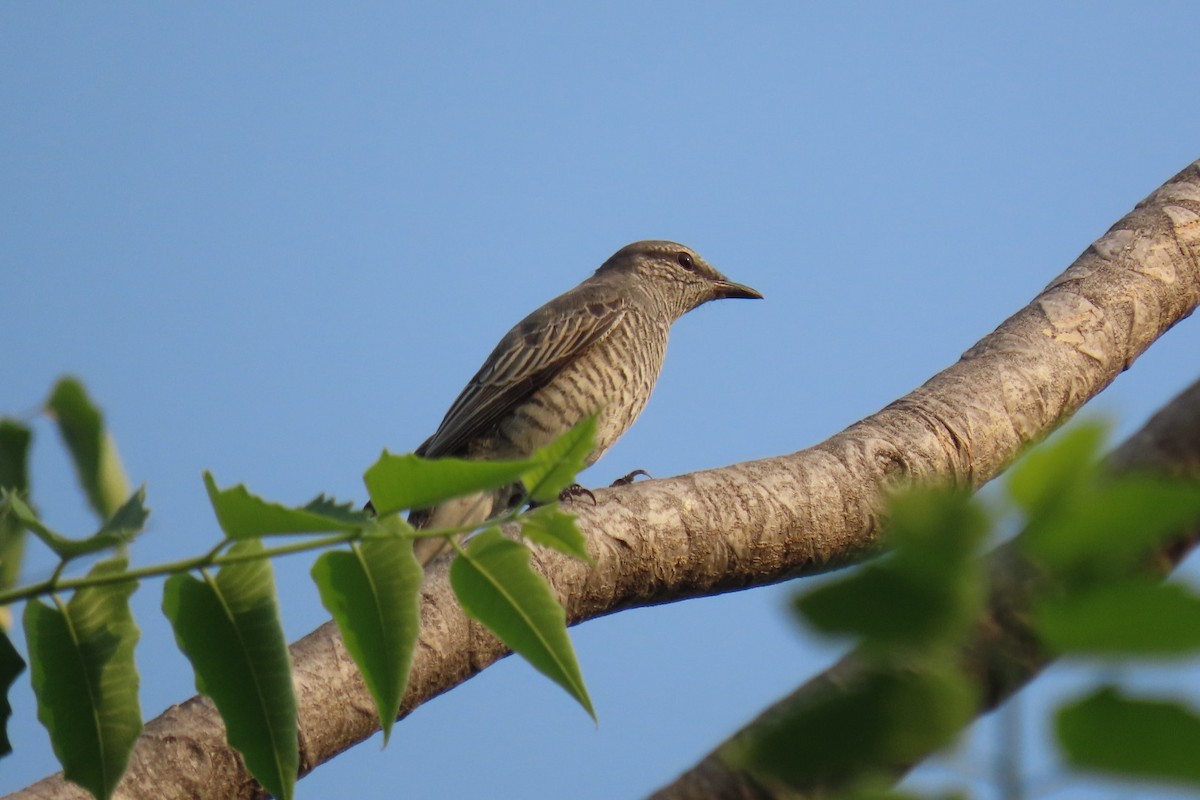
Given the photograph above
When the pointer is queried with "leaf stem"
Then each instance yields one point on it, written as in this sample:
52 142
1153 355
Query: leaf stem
213 558
209 559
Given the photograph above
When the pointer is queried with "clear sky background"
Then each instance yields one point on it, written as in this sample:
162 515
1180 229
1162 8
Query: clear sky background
273 239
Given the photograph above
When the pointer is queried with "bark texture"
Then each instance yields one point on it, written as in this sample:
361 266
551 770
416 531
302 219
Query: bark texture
1003 654
761 521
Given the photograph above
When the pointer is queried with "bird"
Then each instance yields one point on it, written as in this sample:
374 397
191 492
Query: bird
596 349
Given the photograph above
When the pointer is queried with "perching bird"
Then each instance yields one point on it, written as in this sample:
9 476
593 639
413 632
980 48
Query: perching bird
597 348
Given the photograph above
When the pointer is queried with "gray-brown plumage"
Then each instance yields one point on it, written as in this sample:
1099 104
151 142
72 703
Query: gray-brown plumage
597 348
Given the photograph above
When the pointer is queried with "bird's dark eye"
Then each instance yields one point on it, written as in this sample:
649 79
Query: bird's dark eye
686 261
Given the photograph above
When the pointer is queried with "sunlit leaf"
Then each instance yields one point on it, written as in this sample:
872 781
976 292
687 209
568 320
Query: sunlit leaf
85 680
496 586
246 516
92 448
556 465
228 627
396 483
1142 738
550 527
373 593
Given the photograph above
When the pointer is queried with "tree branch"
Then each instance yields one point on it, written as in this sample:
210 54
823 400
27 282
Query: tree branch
761 521
1003 653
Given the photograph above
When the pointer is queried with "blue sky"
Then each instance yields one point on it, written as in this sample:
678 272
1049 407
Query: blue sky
275 239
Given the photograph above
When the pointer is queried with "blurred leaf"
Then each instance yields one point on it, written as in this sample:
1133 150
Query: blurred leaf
556 465
332 509
228 627
14 476
550 527
1149 739
126 522
935 530
879 721
927 590
496 586
1113 521
11 665
373 593
1130 618
85 679
1050 471
92 448
403 482
885 793
879 605
121 529
15 439
246 516
15 508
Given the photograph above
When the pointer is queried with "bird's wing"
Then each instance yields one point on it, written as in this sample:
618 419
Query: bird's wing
526 359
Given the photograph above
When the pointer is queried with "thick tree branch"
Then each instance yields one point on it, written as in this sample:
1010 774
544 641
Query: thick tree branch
761 521
1003 653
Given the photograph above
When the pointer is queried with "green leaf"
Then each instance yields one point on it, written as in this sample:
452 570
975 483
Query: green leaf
396 483
85 680
126 522
92 448
17 509
1144 738
880 788
1050 471
346 512
927 590
1112 521
1129 618
228 627
120 530
852 731
556 465
881 793
15 439
496 586
880 605
246 516
373 593
11 665
14 477
550 527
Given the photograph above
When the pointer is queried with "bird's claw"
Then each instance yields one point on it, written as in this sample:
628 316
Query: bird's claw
628 479
575 491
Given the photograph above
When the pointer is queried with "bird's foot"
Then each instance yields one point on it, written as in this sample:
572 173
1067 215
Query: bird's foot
628 479
575 491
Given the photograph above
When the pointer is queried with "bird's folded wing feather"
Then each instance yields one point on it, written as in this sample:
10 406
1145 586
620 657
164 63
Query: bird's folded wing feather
526 359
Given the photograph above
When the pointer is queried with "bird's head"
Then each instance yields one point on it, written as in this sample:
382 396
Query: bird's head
673 273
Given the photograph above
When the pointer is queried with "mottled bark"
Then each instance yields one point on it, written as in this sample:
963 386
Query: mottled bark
761 521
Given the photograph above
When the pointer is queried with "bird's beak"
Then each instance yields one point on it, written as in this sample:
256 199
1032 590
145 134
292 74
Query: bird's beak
725 288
